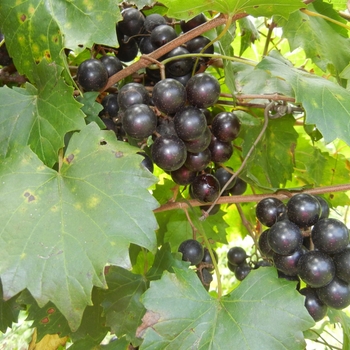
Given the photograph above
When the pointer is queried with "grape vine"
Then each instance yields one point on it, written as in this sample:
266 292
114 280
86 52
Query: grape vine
170 171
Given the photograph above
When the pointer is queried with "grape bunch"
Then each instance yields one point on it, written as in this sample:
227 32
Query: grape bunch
304 244
189 138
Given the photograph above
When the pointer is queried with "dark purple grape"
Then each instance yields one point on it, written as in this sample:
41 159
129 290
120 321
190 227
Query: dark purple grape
288 264
335 294
205 188
166 127
238 188
112 64
208 260
205 276
220 151
92 75
285 237
200 144
127 49
270 210
316 308
224 176
132 94
183 176
169 152
169 96
236 255
192 251
110 105
330 235
162 34
316 269
146 161
153 74
303 209
242 271
153 20
213 211
193 22
132 22
324 207
146 46
203 90
190 123
342 265
197 44
264 244
183 79
139 121
197 161
231 267
226 126
180 66
109 124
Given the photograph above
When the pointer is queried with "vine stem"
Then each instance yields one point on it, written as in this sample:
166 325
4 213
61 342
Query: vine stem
268 107
315 14
282 195
143 62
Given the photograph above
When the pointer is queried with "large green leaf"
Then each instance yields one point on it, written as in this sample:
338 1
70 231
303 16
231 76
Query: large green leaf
121 304
9 311
329 50
182 315
327 105
271 163
39 116
63 227
188 9
37 29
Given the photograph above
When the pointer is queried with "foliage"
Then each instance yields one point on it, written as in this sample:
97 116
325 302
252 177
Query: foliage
89 236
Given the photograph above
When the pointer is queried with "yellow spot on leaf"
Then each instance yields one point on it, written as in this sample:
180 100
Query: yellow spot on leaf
31 9
35 49
93 202
77 206
23 255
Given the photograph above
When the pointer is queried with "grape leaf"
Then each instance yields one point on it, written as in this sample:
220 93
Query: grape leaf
329 49
165 260
91 108
325 170
320 105
39 116
249 80
249 33
121 304
63 227
59 25
186 10
9 311
271 163
47 319
182 315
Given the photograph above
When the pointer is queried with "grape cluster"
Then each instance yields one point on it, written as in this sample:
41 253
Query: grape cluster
193 252
188 140
304 244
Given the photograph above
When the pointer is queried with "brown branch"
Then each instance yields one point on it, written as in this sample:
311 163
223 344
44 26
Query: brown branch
254 197
7 77
143 62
